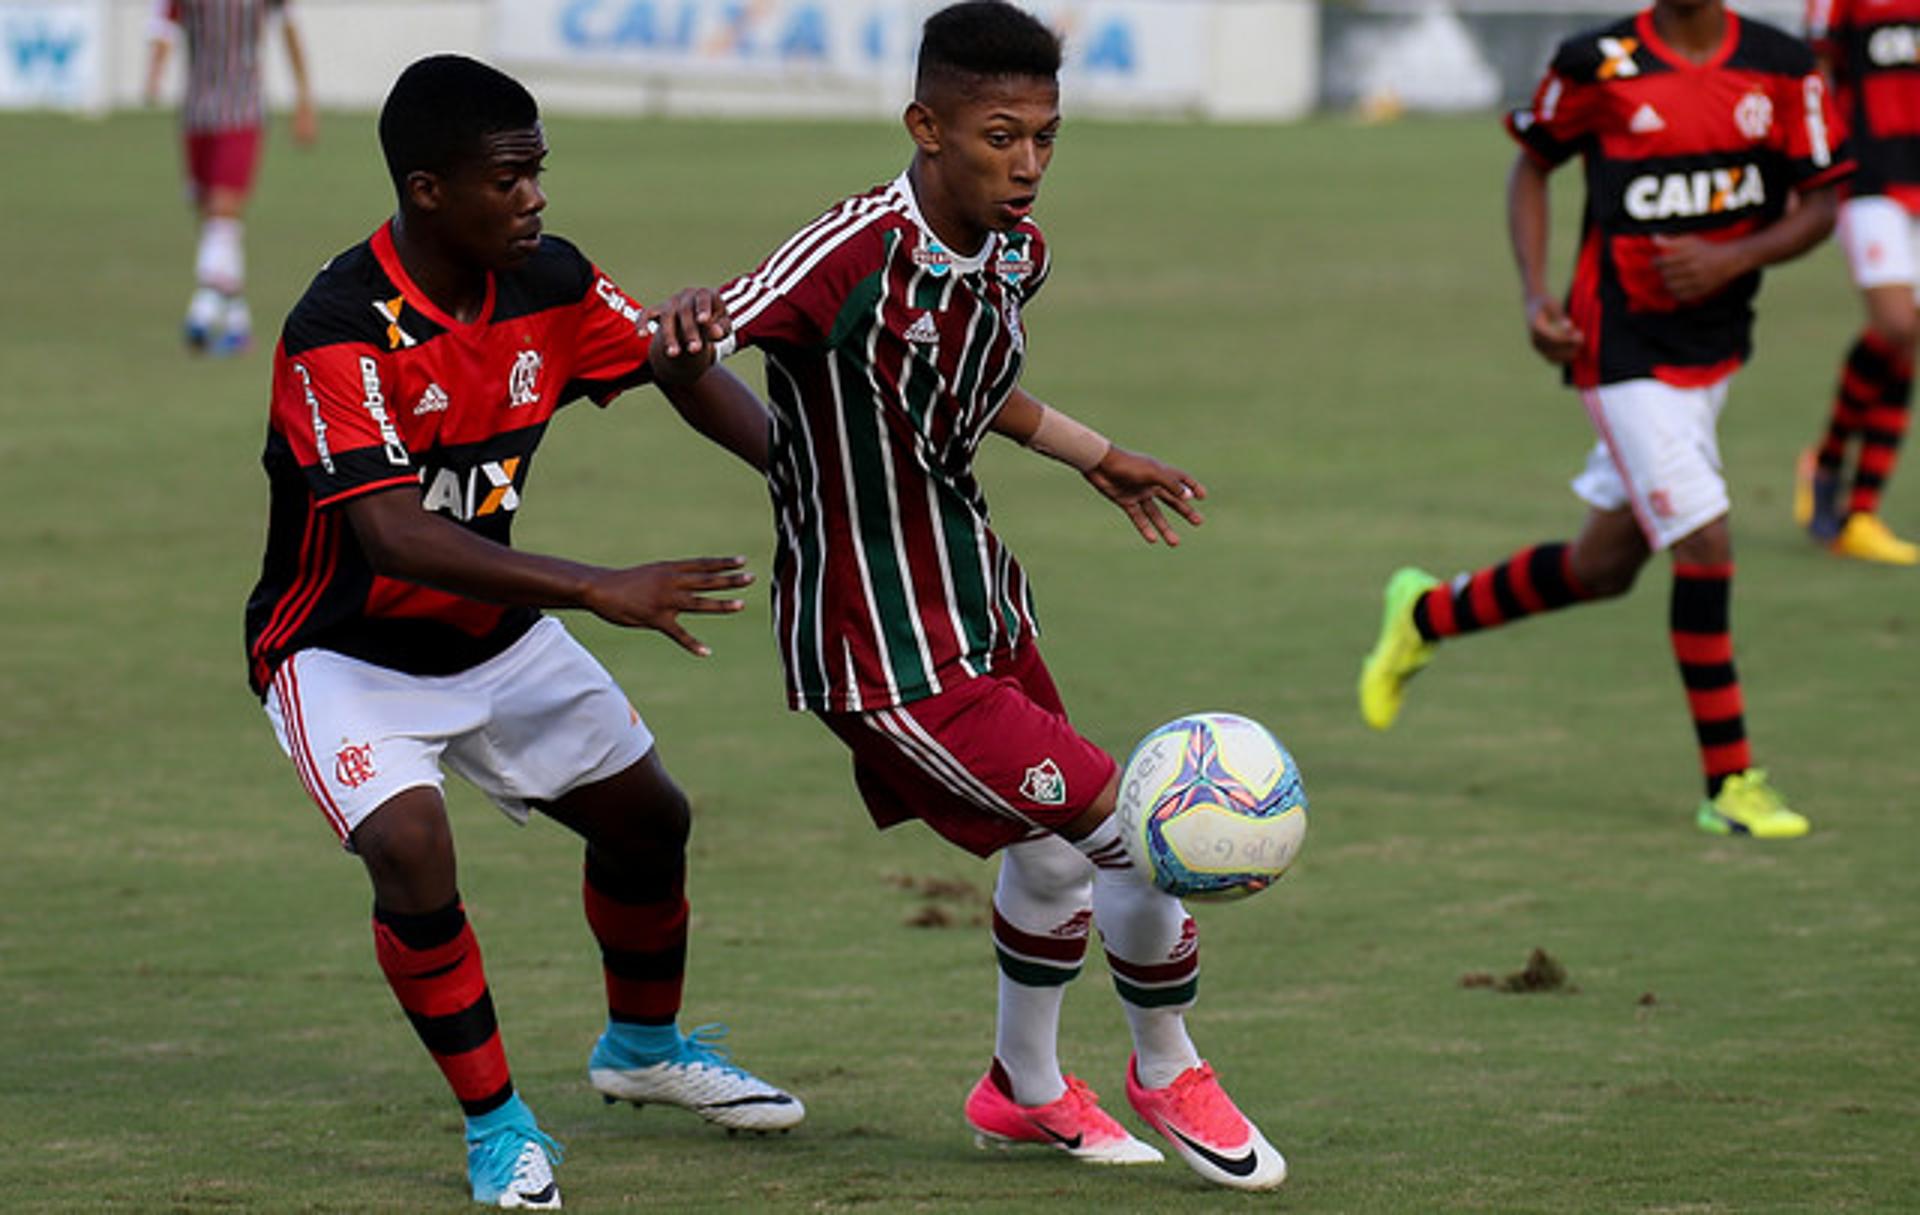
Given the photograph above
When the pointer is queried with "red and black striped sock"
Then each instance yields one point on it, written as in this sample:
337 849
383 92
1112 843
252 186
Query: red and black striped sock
1703 645
1883 424
1859 388
432 962
641 925
1533 580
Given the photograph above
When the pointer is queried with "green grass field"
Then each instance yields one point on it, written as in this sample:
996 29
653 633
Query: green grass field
1320 322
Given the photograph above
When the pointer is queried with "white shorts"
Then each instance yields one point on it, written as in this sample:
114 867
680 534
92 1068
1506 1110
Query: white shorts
533 722
1879 236
1658 453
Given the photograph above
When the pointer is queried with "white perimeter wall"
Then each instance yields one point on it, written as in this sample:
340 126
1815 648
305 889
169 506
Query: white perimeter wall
1218 59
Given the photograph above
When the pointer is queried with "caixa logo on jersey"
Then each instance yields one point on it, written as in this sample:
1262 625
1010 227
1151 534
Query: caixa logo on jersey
1894 46
1690 195
487 488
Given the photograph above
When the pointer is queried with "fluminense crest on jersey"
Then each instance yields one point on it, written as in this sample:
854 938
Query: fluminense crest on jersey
1014 265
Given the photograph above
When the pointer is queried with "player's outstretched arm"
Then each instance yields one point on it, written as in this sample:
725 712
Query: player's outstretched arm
687 330
403 540
724 409
306 122
1135 482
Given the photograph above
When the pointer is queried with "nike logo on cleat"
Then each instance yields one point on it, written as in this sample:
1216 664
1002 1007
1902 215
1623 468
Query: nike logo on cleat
768 1099
1072 1144
1241 1166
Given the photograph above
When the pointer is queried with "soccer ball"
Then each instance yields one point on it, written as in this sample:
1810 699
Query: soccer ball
1211 807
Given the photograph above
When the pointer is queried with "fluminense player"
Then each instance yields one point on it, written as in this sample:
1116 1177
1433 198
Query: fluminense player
394 631
1709 152
1871 51
220 121
892 335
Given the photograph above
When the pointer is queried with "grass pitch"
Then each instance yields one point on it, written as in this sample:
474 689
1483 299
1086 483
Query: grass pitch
1320 322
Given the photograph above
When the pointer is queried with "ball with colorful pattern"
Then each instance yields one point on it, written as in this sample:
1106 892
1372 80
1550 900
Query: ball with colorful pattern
1212 807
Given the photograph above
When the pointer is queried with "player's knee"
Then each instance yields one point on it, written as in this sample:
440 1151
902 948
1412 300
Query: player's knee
1900 330
1050 868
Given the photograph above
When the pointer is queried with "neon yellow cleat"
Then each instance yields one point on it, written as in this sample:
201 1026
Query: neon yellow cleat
1867 538
1748 805
1399 653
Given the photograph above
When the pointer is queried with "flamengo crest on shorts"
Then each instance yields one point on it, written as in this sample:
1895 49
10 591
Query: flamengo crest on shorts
888 356
1676 148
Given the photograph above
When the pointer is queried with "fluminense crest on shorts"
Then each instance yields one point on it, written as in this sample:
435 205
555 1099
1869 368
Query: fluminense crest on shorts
1044 785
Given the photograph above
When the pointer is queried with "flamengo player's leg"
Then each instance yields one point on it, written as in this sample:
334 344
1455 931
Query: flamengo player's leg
636 824
1042 911
432 961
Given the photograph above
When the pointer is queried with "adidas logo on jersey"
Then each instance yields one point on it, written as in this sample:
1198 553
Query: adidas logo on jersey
1654 196
1646 120
922 330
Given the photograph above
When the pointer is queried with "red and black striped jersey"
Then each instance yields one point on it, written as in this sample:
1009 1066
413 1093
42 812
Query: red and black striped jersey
1673 148
1873 50
222 60
888 356
374 387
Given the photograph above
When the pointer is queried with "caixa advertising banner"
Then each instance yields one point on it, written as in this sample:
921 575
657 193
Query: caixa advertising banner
52 54
1128 54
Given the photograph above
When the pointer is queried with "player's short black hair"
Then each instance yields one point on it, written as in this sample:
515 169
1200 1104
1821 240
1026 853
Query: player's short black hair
981 39
441 107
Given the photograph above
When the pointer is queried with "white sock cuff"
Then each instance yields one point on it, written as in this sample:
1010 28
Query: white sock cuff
220 262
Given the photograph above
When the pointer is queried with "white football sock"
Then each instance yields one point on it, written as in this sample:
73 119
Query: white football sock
221 260
1144 927
238 321
1044 893
203 310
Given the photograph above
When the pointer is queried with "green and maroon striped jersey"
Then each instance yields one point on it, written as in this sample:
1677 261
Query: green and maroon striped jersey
887 357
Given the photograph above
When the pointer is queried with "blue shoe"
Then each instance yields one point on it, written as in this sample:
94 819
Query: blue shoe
692 1073
510 1160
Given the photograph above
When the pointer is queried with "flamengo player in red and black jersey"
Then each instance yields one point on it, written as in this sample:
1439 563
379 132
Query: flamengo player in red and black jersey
1871 52
220 120
1709 154
394 630
892 333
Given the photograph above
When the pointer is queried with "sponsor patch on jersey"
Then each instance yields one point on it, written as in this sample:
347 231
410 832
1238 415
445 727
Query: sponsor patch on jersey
390 311
1894 46
374 401
1656 196
1616 58
934 258
616 299
1754 115
1014 265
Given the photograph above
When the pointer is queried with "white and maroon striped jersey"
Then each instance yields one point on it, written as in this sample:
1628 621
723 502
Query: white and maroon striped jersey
222 40
887 357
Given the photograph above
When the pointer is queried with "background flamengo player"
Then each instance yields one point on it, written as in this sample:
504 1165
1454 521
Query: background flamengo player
892 333
1696 127
220 120
394 630
1871 51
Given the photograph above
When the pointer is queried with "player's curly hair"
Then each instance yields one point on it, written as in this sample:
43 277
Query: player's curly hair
984 38
441 107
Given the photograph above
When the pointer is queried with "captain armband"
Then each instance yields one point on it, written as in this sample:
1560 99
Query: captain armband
1068 441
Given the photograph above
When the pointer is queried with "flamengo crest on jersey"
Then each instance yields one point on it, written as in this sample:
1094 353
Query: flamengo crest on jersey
1675 148
888 356
375 389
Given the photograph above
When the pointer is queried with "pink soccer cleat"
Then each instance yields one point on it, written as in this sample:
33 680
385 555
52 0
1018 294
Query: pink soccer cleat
1074 1124
1207 1129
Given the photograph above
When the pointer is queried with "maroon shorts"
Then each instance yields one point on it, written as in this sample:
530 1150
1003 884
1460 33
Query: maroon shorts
223 159
986 764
